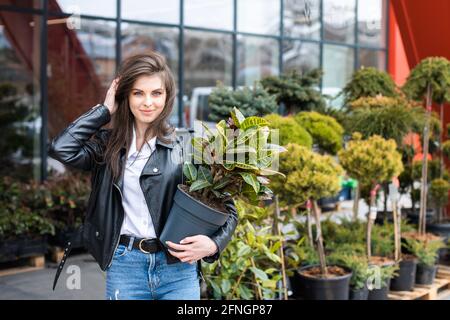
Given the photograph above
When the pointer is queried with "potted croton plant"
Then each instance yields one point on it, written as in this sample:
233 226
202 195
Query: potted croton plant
231 162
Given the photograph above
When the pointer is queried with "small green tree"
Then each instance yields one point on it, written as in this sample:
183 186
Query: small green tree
289 131
429 81
298 92
310 176
250 101
371 162
368 82
326 132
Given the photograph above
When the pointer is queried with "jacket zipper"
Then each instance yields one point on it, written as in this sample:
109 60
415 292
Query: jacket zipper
118 238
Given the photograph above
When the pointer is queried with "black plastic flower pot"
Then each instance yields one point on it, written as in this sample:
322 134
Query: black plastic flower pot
189 217
359 294
315 288
425 274
381 293
406 276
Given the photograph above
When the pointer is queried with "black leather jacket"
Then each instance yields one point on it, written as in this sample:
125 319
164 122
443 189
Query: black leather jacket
101 230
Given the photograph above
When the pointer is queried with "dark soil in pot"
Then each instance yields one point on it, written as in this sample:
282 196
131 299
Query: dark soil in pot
314 286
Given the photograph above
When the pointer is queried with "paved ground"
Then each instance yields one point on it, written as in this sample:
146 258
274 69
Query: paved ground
37 285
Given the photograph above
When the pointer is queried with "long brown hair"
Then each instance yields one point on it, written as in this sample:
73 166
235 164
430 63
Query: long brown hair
148 64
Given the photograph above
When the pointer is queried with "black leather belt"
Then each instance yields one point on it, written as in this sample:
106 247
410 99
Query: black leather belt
146 245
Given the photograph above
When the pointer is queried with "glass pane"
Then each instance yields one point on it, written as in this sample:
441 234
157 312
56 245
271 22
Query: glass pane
101 8
257 58
301 56
372 58
259 16
302 19
140 39
167 11
207 59
214 14
30 4
339 20
338 64
372 23
81 66
20 119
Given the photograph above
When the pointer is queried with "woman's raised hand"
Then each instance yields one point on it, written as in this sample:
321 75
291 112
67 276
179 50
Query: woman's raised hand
110 100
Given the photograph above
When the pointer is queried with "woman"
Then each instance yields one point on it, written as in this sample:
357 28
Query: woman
136 166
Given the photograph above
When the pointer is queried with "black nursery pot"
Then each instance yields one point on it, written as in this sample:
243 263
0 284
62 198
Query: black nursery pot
359 294
425 274
406 276
380 294
189 217
312 288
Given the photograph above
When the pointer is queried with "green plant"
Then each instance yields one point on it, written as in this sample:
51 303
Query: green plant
369 82
425 250
298 92
371 162
357 263
233 161
384 273
310 176
250 101
326 132
439 189
390 118
429 80
249 267
17 218
289 131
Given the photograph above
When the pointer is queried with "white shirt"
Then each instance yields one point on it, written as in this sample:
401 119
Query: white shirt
137 221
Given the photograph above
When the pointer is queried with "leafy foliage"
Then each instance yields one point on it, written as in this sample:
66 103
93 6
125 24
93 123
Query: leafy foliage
298 92
326 132
233 161
371 161
309 176
433 71
289 131
425 250
369 82
250 263
250 101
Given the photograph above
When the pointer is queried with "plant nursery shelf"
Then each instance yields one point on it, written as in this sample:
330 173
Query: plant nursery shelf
439 289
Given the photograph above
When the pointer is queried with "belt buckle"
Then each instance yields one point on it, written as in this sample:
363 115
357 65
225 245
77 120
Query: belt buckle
140 245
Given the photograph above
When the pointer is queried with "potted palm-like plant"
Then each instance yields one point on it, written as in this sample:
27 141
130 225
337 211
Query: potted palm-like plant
231 162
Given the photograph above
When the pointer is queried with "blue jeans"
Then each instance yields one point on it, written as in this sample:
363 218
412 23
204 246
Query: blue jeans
135 275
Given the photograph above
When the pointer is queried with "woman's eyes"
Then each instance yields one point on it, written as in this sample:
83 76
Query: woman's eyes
157 94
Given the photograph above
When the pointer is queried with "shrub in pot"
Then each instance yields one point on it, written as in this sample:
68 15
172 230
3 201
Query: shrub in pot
232 162
425 248
429 81
311 176
371 161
